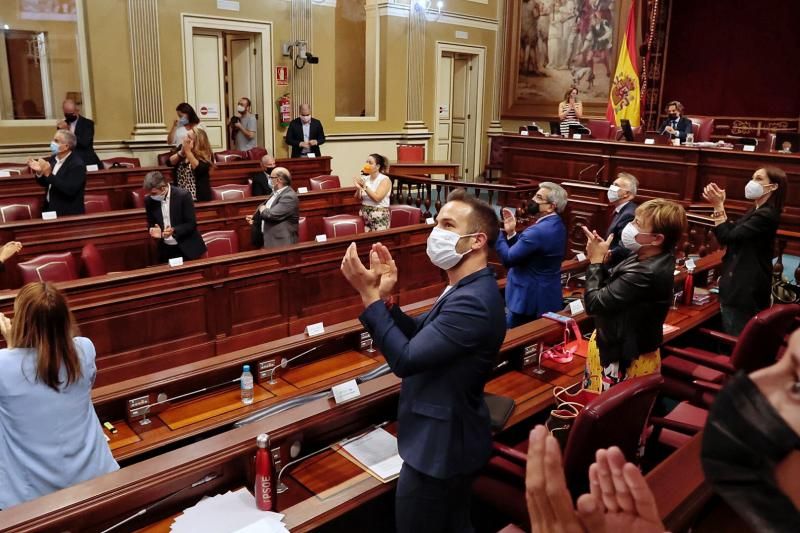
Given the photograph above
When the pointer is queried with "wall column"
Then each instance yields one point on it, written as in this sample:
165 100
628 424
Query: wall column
416 73
301 79
146 58
495 127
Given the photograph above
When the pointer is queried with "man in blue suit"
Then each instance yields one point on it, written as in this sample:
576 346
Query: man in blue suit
675 125
621 194
444 358
533 258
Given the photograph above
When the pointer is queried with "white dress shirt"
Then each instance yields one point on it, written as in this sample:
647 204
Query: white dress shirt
167 222
306 135
54 171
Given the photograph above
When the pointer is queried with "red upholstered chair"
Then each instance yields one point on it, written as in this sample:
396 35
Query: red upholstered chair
404 215
49 267
495 165
695 375
96 203
255 154
20 209
768 145
319 183
93 263
302 230
602 129
163 159
615 418
124 162
230 192
702 127
137 197
341 225
222 242
227 156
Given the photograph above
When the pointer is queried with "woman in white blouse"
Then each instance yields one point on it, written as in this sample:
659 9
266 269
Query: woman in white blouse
374 188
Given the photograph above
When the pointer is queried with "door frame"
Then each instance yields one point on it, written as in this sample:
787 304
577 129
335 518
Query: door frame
190 22
479 53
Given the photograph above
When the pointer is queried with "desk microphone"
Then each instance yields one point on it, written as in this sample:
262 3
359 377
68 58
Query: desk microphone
285 362
597 174
584 170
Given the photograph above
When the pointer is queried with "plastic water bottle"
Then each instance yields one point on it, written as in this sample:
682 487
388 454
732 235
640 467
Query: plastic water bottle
247 385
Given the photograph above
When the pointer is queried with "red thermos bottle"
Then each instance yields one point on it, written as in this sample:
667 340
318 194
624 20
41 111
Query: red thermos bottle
688 287
265 475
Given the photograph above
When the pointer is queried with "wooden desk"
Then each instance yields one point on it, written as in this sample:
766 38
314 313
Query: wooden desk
424 168
123 242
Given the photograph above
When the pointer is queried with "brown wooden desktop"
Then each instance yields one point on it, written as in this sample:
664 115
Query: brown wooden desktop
339 487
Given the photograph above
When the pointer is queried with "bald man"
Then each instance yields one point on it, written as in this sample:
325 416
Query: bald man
277 218
260 185
305 134
82 128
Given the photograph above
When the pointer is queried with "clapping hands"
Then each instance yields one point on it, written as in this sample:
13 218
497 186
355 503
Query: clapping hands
374 283
9 249
596 246
714 195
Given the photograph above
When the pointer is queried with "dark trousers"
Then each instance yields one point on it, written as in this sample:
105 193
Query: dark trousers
517 319
167 252
424 504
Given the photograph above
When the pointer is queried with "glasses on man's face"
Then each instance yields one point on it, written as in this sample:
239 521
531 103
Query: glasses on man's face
539 198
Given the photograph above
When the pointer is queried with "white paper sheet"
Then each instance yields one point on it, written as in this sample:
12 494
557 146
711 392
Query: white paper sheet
377 451
232 512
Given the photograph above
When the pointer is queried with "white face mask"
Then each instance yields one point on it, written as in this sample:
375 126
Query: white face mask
305 119
753 190
628 237
442 248
613 193
240 108
158 197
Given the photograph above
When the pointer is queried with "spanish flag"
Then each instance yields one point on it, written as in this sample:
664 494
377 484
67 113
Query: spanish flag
625 95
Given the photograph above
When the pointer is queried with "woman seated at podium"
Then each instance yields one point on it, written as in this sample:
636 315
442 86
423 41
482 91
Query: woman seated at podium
373 188
570 110
50 436
630 302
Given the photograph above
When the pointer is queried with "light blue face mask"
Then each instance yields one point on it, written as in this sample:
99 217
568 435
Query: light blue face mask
158 197
54 146
183 121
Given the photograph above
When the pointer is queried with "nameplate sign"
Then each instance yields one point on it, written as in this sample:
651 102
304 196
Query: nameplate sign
430 221
749 148
176 261
345 391
312 330
321 238
649 141
301 190
577 136
523 132
690 265
580 257
311 154
5 174
576 307
676 142
92 168
49 215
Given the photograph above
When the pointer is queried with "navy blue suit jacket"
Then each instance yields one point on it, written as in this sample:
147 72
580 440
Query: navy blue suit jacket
618 223
445 358
684 127
533 259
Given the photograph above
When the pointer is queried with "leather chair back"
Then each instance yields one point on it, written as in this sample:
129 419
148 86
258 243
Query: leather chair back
124 162
319 183
702 127
227 156
404 215
137 197
20 209
163 159
49 267
302 230
222 242
761 341
616 418
255 154
602 129
230 192
96 203
93 263
341 225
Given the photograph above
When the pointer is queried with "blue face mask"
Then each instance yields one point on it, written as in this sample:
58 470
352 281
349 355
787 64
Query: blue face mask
54 146
158 197
183 121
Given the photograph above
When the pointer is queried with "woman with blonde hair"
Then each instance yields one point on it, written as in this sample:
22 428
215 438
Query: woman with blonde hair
570 111
50 436
630 302
193 164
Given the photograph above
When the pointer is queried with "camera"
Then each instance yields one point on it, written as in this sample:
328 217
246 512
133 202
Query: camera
312 58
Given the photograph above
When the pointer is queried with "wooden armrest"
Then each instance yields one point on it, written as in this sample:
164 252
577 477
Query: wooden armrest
707 386
510 453
718 335
674 425
701 359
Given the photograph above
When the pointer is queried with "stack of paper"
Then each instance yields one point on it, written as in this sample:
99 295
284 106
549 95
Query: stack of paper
232 512
701 296
377 453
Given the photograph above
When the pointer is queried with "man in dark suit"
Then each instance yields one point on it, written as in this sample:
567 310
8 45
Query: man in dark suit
621 194
63 175
259 185
305 134
83 129
444 358
171 219
675 125
533 257
277 218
